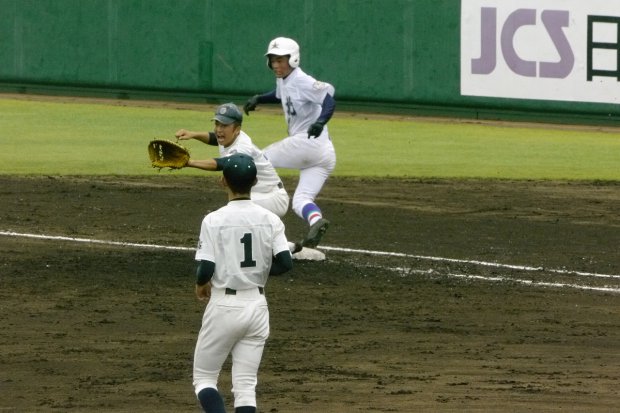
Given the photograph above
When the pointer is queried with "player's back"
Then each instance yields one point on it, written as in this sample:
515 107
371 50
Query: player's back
244 237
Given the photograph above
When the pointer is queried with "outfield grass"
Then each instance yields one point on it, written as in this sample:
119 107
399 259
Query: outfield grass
52 138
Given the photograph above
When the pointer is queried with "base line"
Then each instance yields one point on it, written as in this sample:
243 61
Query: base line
95 241
461 261
326 248
605 288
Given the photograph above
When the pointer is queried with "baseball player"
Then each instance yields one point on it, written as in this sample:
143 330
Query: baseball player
240 245
269 192
308 105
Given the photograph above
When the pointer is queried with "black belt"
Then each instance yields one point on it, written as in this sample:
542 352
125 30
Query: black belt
280 185
230 291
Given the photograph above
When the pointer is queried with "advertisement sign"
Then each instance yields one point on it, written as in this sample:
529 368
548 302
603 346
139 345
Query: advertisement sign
564 50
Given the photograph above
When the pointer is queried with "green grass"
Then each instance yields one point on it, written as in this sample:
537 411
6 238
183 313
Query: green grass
43 137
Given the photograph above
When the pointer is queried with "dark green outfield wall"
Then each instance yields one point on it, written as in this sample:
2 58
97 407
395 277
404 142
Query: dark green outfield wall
400 55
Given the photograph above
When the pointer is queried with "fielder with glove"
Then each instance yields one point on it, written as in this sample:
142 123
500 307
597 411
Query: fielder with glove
269 192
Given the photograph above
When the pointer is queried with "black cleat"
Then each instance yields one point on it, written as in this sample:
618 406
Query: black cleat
315 233
297 247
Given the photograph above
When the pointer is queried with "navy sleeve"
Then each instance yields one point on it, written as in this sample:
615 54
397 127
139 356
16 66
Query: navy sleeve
212 139
269 97
204 272
327 109
282 262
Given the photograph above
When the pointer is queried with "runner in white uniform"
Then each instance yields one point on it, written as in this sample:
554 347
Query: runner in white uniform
240 245
308 105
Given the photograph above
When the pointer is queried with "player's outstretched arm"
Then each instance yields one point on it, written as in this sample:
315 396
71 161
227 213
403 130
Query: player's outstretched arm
205 164
214 164
204 137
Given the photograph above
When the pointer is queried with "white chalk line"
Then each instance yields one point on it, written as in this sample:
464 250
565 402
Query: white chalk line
482 263
609 289
371 252
94 241
538 283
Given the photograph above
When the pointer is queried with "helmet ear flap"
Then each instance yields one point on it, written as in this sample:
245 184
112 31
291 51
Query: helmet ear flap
293 60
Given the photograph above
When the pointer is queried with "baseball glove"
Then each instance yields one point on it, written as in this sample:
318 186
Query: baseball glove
167 154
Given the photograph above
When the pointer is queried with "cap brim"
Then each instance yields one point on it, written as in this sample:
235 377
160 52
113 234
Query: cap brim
224 119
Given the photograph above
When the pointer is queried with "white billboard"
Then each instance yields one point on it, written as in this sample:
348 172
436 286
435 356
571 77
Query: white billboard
565 50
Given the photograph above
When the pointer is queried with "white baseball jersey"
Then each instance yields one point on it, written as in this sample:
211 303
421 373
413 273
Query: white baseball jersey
241 238
266 176
302 98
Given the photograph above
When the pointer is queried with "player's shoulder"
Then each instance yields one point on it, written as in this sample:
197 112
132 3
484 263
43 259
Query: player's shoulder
310 82
320 85
214 216
248 148
243 144
243 137
299 76
247 142
227 215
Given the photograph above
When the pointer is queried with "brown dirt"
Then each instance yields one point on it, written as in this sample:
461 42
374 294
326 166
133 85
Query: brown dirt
110 327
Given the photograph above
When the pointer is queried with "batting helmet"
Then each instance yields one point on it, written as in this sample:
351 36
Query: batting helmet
283 46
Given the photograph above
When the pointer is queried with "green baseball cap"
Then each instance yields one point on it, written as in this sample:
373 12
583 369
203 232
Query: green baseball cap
228 113
239 169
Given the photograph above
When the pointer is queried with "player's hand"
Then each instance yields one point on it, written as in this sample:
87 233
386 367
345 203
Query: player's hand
183 134
203 292
315 129
250 104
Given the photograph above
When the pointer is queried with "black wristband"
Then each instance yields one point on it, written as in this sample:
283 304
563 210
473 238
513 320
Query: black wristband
212 139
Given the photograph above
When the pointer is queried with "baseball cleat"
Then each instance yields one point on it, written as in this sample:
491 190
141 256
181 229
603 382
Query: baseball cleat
315 233
295 247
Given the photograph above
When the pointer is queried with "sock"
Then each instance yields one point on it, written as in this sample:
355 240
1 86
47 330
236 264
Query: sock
311 213
245 409
211 401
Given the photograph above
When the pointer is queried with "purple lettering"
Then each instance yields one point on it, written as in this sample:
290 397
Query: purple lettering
485 64
554 21
516 20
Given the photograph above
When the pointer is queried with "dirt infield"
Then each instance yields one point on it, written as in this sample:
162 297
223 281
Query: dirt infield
496 297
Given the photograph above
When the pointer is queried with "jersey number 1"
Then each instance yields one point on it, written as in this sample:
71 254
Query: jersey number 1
246 240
